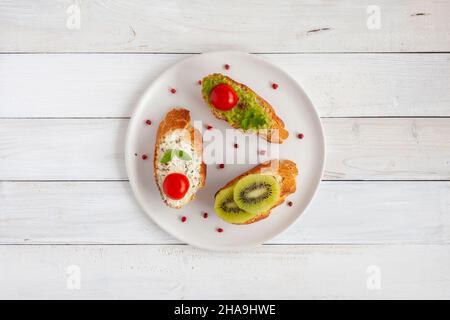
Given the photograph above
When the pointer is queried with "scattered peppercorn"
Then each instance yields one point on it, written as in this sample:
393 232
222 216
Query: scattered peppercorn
199 82
300 136
209 127
183 219
220 230
148 122
290 203
227 66
144 157
236 145
221 166
205 215
275 85
173 90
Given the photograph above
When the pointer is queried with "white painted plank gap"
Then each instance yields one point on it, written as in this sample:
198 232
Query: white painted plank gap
92 149
109 85
198 26
341 213
182 272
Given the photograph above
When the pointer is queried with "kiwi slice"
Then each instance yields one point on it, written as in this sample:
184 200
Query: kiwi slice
256 193
228 210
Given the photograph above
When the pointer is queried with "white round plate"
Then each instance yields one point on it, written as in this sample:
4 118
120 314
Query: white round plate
290 103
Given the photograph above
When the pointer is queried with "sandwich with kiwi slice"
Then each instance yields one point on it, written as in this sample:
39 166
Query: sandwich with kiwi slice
251 196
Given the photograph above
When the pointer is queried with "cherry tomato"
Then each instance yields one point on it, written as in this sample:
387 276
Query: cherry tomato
175 186
223 97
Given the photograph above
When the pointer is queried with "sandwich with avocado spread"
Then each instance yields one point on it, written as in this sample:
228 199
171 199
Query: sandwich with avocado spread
242 108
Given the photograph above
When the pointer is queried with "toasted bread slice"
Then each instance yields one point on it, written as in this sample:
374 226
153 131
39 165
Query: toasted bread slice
285 171
176 133
273 131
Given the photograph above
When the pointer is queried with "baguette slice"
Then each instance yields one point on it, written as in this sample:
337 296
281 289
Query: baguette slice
275 132
285 171
175 131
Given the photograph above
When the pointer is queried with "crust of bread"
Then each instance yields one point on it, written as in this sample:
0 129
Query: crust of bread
179 119
288 172
276 133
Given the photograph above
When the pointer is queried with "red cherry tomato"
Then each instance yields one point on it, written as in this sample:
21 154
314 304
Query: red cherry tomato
223 97
175 186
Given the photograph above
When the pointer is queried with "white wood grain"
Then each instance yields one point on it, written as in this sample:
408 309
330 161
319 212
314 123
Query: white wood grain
197 26
109 85
182 272
92 149
341 213
409 149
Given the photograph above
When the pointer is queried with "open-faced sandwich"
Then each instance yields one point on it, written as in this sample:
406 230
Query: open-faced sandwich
178 166
242 108
251 196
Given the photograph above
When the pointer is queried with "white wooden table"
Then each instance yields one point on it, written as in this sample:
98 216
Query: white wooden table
379 226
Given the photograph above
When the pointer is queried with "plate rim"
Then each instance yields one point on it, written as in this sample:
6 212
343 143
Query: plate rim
128 141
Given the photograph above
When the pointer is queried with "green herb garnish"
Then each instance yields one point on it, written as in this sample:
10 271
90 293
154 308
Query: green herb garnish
167 157
180 154
252 119
183 155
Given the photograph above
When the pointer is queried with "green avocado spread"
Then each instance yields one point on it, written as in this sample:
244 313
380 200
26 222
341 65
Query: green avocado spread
247 114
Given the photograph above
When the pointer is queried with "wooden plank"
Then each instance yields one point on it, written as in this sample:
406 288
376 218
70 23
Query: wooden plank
182 272
62 149
392 149
92 149
109 85
341 213
261 26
